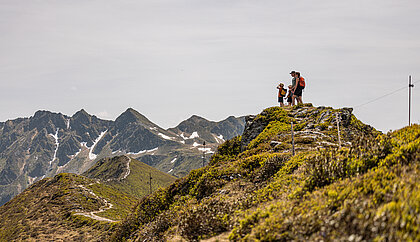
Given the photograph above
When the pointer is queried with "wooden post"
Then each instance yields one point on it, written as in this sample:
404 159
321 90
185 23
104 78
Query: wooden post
293 142
150 183
204 152
409 100
338 128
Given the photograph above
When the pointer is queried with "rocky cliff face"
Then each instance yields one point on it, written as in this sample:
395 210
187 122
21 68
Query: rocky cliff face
49 143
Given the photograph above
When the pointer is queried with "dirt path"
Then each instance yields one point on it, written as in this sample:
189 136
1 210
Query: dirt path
128 168
107 205
92 214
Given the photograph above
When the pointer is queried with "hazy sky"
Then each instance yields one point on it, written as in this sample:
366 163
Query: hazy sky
170 59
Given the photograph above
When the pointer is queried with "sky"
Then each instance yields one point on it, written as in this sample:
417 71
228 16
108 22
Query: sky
170 59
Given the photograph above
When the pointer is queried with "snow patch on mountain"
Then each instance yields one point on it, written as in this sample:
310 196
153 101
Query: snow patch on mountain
55 136
141 152
165 136
194 135
172 161
206 150
93 156
219 139
68 123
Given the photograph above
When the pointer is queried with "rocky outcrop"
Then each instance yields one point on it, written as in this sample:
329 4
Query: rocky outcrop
253 127
311 125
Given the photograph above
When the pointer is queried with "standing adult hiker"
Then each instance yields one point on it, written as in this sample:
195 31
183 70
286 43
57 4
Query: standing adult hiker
282 93
298 87
293 74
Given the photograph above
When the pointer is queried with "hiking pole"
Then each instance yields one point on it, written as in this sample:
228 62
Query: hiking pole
409 99
338 128
293 142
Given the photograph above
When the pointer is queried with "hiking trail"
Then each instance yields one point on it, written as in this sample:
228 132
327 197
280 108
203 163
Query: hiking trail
92 214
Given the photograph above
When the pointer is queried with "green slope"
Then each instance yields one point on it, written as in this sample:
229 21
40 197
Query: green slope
254 189
60 208
112 171
47 210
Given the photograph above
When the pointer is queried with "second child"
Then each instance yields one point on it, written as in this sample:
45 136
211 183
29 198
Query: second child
289 96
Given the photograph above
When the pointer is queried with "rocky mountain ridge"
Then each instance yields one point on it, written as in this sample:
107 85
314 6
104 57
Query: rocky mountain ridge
50 143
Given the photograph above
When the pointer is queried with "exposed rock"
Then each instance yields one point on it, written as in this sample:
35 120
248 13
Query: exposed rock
253 127
324 116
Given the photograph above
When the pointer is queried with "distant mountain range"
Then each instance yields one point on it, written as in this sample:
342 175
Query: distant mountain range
50 143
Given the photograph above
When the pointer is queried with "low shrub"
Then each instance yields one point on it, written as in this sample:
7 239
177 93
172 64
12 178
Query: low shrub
211 217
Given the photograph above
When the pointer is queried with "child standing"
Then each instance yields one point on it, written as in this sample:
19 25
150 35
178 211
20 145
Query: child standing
289 96
282 93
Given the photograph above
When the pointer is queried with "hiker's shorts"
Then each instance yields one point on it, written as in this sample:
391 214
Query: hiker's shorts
298 91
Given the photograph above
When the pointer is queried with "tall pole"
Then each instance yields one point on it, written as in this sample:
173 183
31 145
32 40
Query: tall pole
409 99
338 128
293 142
150 183
204 152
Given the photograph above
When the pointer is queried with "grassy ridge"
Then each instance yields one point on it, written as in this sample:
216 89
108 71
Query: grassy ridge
137 183
112 171
365 190
47 210
44 212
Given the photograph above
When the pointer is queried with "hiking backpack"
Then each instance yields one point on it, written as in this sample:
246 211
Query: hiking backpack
283 92
302 82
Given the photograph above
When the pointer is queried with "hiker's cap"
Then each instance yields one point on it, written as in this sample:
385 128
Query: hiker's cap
293 72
